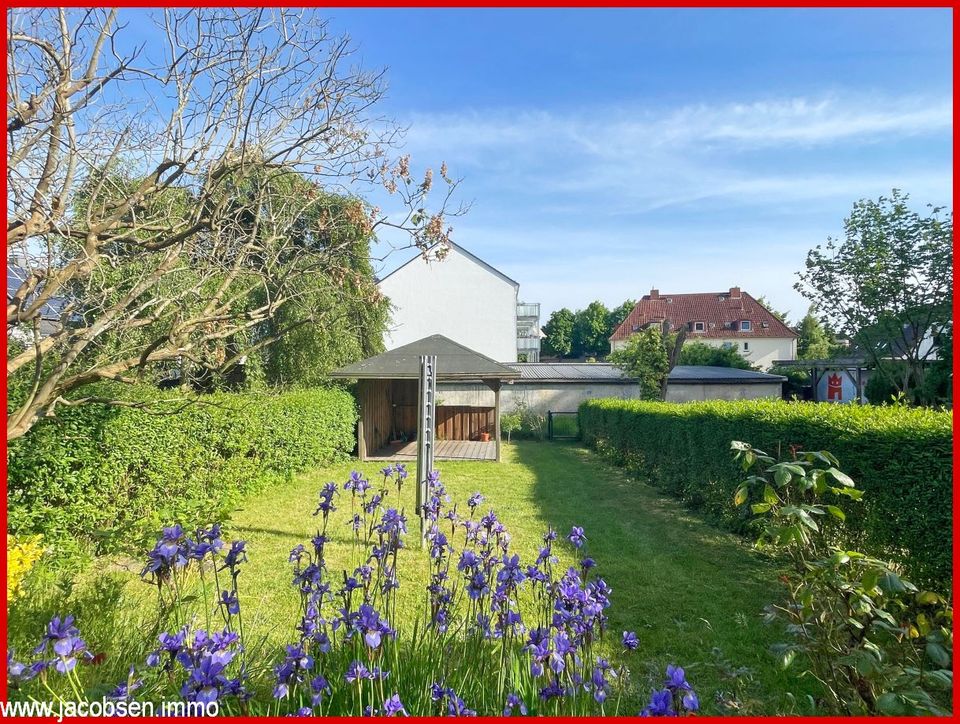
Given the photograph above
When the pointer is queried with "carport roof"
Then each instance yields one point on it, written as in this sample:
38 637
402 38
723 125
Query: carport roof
695 374
454 362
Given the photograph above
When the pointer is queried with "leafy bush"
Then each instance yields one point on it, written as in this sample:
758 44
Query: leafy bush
510 422
22 554
875 643
96 478
705 355
901 455
496 636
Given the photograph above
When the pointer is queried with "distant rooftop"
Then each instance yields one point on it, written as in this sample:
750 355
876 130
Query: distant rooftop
605 373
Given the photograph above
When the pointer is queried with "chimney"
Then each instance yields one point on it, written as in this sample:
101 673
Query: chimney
654 294
734 292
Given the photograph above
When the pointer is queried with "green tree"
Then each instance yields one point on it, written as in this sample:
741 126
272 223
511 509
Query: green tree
197 251
559 331
618 314
814 342
887 285
700 354
646 358
590 335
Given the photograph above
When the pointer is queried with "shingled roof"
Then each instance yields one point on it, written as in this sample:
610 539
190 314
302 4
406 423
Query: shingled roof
454 362
720 312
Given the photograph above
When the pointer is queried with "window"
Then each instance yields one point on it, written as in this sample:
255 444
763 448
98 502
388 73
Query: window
698 326
746 346
745 325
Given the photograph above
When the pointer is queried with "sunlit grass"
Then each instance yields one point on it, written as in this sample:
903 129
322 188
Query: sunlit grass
692 593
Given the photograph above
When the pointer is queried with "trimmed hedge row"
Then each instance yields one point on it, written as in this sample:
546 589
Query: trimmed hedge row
99 479
901 458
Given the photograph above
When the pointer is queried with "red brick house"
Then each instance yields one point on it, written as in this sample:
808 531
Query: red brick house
714 318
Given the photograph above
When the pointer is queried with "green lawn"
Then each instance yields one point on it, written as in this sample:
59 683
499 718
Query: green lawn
692 593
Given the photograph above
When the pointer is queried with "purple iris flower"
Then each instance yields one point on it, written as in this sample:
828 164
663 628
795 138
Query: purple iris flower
630 640
577 537
676 679
229 600
356 671
394 707
514 702
661 704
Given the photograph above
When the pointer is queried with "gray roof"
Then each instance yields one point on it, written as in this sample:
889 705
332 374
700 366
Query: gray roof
454 362
570 372
472 257
605 373
694 374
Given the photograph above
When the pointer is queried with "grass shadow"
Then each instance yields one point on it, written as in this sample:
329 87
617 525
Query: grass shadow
694 594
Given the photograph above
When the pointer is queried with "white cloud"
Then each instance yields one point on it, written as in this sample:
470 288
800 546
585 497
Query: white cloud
608 132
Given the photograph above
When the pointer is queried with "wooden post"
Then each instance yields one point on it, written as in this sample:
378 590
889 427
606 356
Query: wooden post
496 416
361 443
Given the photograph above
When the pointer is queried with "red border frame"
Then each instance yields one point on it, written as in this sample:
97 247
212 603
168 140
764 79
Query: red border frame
506 4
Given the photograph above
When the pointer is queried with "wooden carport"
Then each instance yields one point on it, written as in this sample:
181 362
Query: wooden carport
387 393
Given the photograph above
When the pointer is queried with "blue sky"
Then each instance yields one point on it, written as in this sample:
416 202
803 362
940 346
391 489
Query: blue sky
609 151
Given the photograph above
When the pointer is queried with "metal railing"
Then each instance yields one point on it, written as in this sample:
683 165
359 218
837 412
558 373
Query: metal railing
525 309
563 425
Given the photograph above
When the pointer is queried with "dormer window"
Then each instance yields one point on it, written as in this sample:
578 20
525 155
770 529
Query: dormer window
699 326
745 325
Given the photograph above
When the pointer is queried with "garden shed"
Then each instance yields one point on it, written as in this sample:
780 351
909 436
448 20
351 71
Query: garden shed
388 396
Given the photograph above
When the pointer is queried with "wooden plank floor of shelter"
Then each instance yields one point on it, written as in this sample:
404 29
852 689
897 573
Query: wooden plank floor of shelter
445 450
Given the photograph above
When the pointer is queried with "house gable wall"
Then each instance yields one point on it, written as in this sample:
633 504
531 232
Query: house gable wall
458 297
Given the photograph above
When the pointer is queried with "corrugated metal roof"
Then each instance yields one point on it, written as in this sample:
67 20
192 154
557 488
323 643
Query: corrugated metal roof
602 372
569 372
454 362
692 374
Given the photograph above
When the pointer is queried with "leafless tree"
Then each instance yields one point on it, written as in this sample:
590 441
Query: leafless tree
156 194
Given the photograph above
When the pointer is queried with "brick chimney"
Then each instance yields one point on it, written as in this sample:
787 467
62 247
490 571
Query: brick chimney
654 294
734 292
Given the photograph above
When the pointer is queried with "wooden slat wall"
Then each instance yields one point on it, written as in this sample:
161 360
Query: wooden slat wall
374 396
458 422
390 406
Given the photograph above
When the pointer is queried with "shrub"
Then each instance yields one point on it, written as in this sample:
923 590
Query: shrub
876 644
901 457
22 554
96 478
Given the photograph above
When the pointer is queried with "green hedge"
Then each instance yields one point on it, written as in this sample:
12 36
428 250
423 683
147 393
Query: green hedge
900 457
99 479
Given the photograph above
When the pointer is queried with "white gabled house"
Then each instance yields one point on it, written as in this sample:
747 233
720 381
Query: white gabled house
460 297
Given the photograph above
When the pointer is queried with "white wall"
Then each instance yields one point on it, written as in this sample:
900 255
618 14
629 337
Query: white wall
458 298
761 351
541 398
698 392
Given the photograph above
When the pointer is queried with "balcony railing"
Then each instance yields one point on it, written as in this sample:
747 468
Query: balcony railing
528 310
528 343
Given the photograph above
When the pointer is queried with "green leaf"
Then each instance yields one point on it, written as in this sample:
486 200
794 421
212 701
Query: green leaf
928 598
836 512
759 508
741 497
770 495
890 583
938 655
782 477
840 477
890 704
808 521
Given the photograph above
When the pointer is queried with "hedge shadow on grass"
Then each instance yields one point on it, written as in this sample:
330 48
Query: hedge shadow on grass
693 594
